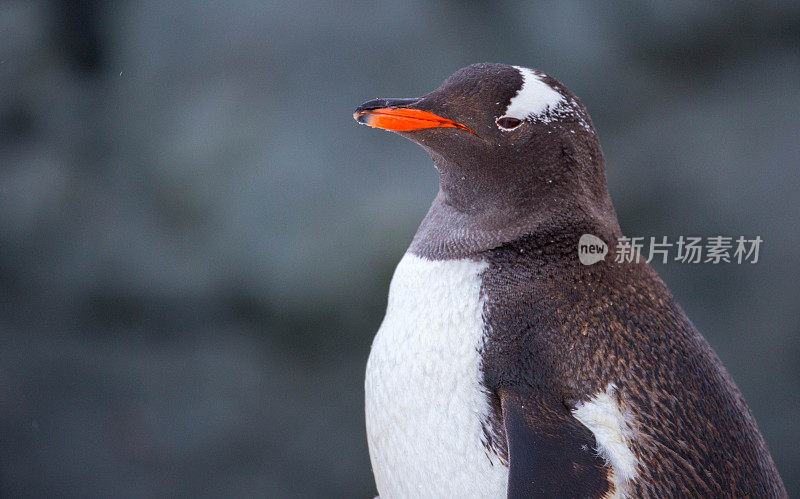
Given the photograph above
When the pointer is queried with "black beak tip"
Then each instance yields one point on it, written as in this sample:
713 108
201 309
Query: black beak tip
381 103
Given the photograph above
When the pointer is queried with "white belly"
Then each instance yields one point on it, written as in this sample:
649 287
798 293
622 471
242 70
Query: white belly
424 400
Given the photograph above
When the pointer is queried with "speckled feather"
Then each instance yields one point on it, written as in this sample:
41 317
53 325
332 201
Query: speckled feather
560 332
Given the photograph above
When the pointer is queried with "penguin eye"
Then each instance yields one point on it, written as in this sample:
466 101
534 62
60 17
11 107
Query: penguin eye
508 123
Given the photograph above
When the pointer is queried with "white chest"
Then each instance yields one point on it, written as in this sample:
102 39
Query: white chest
424 401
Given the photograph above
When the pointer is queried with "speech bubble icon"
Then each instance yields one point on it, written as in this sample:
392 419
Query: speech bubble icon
591 249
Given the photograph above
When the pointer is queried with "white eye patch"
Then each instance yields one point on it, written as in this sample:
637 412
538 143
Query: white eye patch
533 98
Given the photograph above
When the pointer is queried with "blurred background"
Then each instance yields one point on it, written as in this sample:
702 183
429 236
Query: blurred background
196 239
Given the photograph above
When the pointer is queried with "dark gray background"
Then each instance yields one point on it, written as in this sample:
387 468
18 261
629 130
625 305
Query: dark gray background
196 239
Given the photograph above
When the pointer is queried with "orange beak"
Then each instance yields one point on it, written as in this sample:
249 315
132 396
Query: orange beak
403 119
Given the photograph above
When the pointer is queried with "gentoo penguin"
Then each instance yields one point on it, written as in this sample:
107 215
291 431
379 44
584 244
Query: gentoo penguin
505 366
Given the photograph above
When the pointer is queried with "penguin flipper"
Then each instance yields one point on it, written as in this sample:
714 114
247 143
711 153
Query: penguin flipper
550 453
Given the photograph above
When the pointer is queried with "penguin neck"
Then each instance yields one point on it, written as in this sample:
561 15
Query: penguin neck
448 233
478 209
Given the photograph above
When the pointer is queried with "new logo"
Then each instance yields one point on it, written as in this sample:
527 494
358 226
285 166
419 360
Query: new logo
591 249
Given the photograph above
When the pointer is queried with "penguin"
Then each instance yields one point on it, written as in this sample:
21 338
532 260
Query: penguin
506 367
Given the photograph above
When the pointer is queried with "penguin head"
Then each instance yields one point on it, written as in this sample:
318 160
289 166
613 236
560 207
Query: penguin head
505 139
